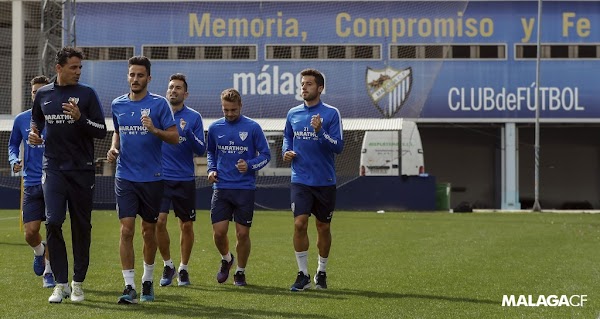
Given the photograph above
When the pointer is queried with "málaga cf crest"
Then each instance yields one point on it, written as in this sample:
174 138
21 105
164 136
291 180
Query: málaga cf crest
389 89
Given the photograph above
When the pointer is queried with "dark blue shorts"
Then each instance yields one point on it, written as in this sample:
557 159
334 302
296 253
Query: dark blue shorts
182 195
315 200
138 198
33 204
232 204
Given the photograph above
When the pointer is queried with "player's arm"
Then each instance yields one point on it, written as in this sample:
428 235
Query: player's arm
93 124
195 136
287 149
14 142
333 136
262 148
115 145
211 159
37 122
169 135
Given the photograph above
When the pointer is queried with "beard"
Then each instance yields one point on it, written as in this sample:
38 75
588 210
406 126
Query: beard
140 89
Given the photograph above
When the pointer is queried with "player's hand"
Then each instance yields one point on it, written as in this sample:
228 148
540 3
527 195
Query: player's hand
147 123
212 177
112 154
242 166
34 137
71 108
288 156
182 124
17 166
316 122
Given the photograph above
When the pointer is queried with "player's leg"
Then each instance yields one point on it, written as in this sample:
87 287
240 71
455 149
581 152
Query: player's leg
184 203
80 201
162 237
243 216
127 208
221 212
33 214
55 197
302 203
323 211
151 195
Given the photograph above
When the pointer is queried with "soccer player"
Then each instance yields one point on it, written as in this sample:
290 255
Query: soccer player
142 120
72 115
33 197
236 150
179 181
311 138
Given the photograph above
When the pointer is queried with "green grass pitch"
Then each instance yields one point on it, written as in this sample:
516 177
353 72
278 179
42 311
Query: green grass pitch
392 265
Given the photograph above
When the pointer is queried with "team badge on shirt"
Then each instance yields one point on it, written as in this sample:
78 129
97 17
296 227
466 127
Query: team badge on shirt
243 135
74 99
145 112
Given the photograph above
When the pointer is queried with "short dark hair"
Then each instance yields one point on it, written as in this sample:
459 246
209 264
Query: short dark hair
68 52
180 77
231 95
40 79
318 76
140 60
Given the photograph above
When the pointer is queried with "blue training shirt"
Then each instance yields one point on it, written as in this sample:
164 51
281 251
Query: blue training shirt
69 143
140 156
228 142
32 154
178 159
314 164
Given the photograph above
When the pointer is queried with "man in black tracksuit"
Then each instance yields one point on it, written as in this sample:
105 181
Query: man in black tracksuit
73 117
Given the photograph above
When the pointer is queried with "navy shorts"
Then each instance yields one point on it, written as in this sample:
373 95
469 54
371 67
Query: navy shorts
315 200
182 195
33 204
138 198
232 204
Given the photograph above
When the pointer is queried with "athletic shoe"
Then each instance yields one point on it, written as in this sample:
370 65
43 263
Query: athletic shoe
302 282
49 281
223 274
321 280
77 293
147 291
39 263
239 278
167 277
60 292
129 295
184 278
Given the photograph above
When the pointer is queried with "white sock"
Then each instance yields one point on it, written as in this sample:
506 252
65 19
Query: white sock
48 269
240 269
169 263
302 260
38 250
148 273
322 264
227 257
182 267
129 276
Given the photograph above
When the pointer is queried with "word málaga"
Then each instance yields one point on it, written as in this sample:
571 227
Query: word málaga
545 301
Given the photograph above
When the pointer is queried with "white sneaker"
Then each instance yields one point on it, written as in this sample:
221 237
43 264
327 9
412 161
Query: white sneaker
77 294
60 291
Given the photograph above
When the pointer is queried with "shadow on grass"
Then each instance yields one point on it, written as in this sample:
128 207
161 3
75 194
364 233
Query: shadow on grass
344 293
184 306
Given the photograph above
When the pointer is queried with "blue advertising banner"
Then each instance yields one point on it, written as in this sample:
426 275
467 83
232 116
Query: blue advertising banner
500 89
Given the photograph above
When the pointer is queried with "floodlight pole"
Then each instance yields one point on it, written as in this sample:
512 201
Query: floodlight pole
536 204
